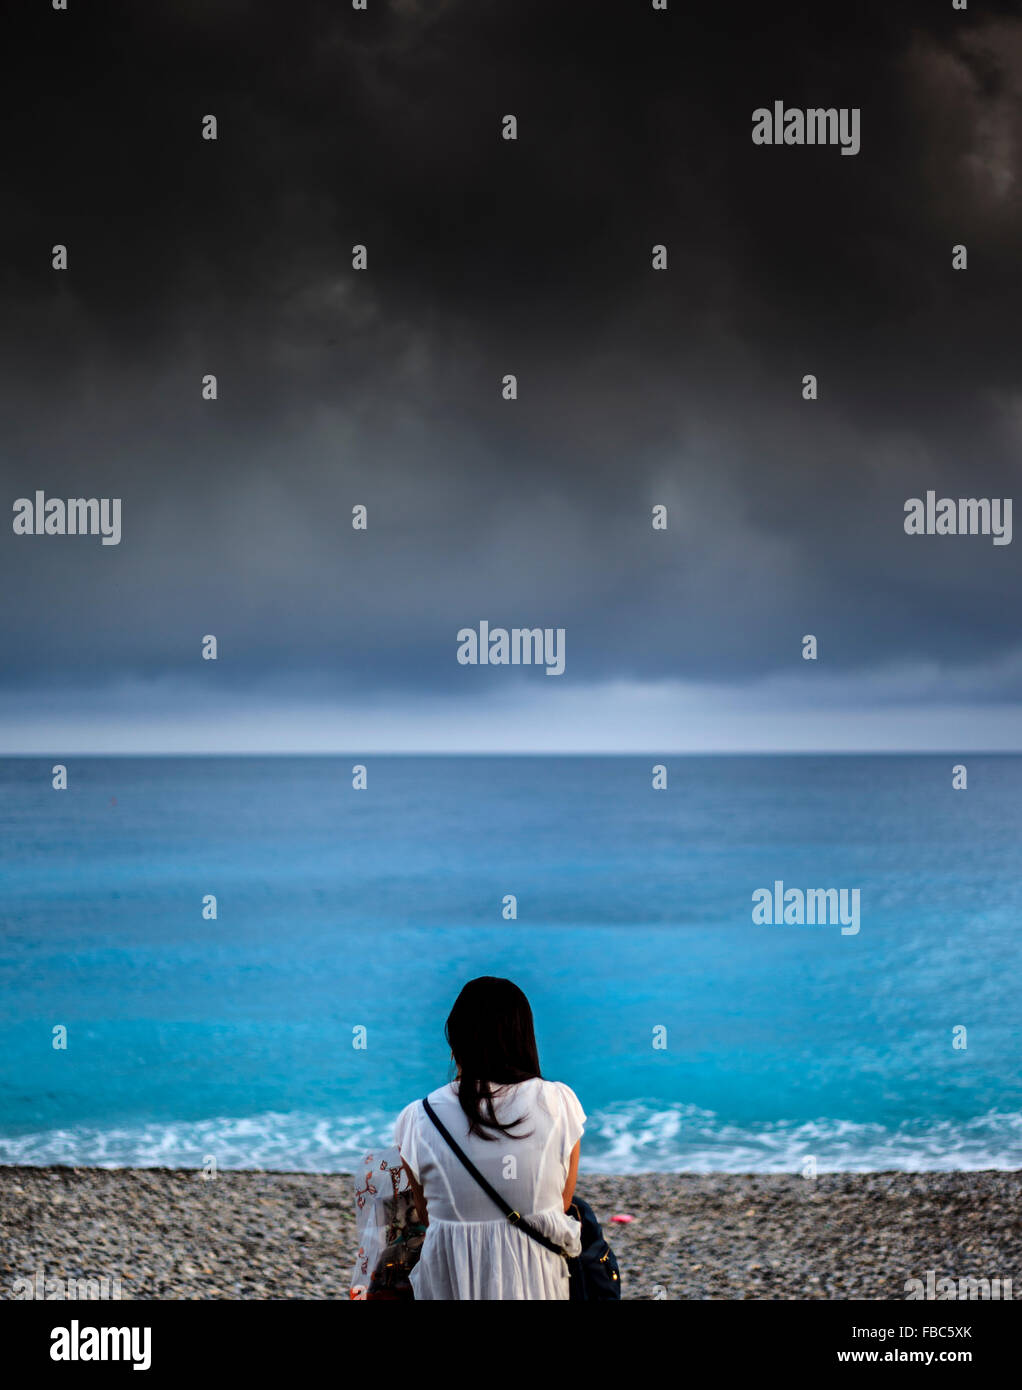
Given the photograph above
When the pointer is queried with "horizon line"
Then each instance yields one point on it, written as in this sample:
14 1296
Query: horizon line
539 753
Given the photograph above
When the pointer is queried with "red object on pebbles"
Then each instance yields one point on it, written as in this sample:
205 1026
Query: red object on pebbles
622 1219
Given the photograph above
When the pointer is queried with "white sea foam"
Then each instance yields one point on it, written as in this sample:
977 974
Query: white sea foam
272 1141
631 1137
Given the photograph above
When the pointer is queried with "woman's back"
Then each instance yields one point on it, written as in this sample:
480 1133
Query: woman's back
471 1249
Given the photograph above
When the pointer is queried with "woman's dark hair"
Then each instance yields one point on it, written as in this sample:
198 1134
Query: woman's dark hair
490 1032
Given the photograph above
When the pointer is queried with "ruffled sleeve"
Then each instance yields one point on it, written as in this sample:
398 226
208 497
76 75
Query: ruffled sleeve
574 1120
406 1136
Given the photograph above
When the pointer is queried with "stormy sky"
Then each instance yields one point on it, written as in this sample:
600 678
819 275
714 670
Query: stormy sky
382 387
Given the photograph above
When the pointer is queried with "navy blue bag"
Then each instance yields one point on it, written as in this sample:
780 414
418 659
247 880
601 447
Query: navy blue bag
593 1275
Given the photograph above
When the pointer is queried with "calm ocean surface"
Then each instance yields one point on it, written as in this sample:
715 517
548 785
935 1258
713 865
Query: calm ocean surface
340 908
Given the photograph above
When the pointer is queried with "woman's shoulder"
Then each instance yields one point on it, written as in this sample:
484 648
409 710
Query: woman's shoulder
409 1123
562 1091
566 1108
440 1096
561 1086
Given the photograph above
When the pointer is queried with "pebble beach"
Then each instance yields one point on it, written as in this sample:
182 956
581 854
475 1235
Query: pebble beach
171 1234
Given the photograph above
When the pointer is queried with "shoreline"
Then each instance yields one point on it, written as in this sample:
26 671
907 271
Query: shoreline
168 1233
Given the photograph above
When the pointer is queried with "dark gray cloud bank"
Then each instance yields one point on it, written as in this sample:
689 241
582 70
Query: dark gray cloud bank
489 257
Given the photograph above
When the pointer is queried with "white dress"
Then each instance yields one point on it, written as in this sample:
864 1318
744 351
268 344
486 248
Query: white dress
471 1250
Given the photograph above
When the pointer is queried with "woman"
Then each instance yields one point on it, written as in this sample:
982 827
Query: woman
523 1135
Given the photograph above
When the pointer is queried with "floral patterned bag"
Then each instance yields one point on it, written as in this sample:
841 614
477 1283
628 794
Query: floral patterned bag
389 1229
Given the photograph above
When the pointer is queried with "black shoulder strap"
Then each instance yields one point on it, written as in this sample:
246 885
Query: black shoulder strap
513 1216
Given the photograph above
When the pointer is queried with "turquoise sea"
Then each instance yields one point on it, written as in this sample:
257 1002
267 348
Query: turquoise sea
340 910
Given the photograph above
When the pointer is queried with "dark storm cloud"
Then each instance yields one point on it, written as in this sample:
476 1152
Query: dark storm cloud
488 257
